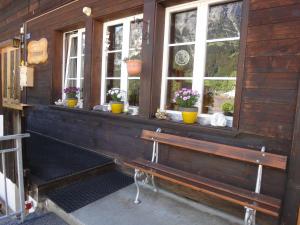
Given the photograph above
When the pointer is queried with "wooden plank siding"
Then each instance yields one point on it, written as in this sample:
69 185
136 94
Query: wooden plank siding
267 98
272 68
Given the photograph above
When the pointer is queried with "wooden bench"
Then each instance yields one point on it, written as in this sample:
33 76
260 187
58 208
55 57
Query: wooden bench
252 200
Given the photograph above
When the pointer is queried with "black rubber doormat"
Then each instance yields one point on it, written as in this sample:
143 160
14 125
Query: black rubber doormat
82 193
49 159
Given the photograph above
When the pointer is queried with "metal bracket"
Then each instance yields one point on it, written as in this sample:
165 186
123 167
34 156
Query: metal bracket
139 174
250 214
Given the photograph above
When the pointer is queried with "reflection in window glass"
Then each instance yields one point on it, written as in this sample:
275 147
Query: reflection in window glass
216 93
114 61
222 59
115 37
224 20
133 92
183 26
73 49
136 34
72 72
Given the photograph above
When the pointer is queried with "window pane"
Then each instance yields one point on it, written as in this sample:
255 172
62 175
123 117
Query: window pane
136 34
224 20
222 59
73 51
133 92
71 83
17 76
81 88
12 73
175 85
115 37
216 93
83 44
109 85
114 62
183 26
5 74
72 68
82 67
181 61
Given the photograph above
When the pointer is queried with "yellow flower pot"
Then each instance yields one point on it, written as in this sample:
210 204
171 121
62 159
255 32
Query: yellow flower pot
71 102
117 107
189 115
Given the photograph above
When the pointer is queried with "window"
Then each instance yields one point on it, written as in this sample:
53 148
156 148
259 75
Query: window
121 39
73 60
201 50
10 61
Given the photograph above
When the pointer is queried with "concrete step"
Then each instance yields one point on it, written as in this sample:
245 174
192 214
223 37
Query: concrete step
161 208
37 218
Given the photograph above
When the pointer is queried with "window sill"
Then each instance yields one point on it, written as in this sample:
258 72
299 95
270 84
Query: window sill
165 124
15 106
203 119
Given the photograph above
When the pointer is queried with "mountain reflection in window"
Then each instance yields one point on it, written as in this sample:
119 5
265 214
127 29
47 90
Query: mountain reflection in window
224 20
183 27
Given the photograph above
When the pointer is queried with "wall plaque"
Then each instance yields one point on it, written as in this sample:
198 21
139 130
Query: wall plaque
37 51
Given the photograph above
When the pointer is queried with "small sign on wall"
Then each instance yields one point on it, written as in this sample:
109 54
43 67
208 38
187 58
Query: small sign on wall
38 51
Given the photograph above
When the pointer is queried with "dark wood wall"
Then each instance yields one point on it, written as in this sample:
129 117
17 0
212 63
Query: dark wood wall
272 68
268 97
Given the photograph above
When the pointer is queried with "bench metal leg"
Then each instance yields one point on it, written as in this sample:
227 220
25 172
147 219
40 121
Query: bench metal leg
153 184
250 216
136 175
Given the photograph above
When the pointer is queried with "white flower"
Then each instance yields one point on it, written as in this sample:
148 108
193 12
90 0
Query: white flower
119 95
112 92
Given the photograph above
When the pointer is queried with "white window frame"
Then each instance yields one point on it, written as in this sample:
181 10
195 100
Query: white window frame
200 44
66 61
125 51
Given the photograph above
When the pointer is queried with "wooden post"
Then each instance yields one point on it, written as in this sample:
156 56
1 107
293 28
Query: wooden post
298 217
292 196
152 57
92 64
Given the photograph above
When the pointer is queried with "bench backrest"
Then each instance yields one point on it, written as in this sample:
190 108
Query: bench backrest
226 151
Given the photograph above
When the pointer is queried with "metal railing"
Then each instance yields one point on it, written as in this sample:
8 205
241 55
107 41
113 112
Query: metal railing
20 213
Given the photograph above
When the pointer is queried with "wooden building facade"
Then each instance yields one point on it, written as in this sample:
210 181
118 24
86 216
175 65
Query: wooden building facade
267 97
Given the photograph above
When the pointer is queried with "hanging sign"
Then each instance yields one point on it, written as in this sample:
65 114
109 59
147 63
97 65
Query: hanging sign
37 51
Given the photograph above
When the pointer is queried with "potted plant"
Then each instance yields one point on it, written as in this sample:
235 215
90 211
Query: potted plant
228 108
186 99
116 103
134 65
71 96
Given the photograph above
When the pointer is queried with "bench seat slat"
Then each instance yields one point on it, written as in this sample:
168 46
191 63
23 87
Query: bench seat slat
231 152
262 203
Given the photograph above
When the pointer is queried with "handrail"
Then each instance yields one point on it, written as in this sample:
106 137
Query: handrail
18 149
14 137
